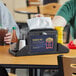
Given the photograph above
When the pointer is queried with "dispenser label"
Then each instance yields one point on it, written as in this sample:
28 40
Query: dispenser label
42 43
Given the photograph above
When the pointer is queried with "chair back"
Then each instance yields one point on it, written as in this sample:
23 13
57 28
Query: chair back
49 9
67 64
34 2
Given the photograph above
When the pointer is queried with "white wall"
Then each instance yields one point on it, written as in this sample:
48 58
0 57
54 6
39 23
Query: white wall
14 4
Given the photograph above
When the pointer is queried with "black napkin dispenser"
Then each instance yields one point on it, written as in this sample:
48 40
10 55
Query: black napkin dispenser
41 41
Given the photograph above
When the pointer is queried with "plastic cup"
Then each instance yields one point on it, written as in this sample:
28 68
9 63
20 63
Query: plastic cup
3 32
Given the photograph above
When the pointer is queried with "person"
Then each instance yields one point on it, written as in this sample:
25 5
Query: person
6 20
67 14
3 71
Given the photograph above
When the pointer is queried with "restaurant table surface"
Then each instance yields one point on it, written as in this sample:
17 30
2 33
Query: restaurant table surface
33 10
34 62
49 59
27 10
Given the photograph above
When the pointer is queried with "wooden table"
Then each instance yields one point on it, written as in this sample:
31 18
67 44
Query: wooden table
34 10
37 61
28 10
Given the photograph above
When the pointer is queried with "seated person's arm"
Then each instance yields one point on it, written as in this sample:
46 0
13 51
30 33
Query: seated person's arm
66 15
59 21
6 20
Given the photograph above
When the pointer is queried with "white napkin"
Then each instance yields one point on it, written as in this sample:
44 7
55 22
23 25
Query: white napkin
40 23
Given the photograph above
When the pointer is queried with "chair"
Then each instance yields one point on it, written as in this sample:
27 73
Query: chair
38 2
67 66
11 74
49 1
49 9
33 2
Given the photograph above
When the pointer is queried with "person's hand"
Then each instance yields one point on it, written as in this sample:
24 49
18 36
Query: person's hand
8 38
38 15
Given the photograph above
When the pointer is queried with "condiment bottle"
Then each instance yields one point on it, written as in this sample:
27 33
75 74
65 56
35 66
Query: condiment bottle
14 36
60 34
14 40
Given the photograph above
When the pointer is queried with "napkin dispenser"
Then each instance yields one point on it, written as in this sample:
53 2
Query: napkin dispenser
41 41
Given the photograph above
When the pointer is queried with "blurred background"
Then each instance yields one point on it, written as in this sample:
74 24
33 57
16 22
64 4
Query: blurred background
14 4
21 19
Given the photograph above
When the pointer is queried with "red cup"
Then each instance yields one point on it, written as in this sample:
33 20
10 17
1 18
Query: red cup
71 45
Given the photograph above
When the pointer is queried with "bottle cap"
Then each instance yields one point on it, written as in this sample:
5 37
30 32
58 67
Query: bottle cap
14 28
